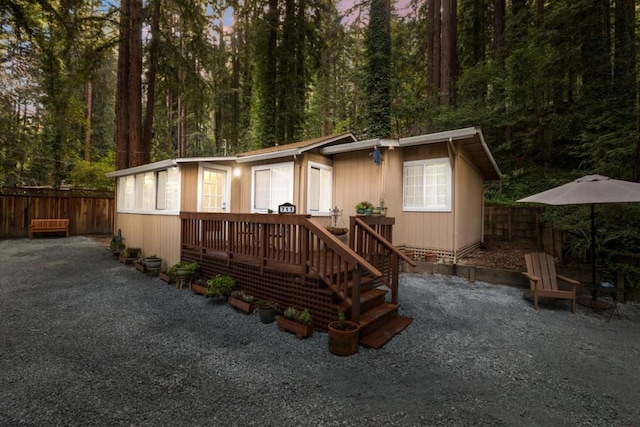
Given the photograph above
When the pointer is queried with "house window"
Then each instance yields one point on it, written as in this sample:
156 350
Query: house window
320 189
427 185
150 192
167 194
271 185
127 193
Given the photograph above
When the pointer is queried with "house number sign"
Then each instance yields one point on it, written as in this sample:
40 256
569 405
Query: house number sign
286 208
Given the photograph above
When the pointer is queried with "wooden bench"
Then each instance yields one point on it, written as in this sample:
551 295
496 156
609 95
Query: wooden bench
48 226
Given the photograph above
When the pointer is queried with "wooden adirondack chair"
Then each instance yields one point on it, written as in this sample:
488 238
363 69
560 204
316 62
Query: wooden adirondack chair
543 280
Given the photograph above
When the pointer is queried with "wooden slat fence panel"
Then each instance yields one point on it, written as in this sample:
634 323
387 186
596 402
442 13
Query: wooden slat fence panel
88 211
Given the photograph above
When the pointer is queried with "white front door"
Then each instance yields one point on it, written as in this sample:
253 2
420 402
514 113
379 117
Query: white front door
214 185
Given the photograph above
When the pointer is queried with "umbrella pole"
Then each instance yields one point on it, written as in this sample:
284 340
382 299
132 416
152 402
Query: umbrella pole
594 289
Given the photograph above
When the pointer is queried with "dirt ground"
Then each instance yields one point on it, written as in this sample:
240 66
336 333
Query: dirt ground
500 254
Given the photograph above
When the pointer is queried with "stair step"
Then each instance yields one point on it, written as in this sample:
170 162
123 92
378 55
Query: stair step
383 335
368 299
377 317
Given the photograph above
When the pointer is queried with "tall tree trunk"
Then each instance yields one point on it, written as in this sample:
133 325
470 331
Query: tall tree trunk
147 134
449 56
137 154
122 92
434 47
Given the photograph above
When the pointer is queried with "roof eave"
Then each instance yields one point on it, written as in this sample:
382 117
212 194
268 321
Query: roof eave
163 164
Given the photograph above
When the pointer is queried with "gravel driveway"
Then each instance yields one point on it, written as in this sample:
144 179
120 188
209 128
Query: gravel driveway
85 340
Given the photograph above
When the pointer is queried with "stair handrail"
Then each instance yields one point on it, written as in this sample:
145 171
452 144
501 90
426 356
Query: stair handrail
396 255
350 257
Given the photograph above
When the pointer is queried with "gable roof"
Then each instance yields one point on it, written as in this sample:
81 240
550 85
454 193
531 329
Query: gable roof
294 148
471 138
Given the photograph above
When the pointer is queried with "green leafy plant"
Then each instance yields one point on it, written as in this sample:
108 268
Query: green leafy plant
364 205
131 252
266 305
291 313
192 268
220 286
304 317
242 295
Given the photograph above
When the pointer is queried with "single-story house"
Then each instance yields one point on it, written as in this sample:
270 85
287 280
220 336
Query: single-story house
432 184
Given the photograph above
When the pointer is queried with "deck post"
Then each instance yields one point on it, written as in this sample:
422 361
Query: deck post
304 256
355 296
395 264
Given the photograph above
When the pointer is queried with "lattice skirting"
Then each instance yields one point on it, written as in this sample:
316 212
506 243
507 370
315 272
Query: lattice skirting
446 255
284 288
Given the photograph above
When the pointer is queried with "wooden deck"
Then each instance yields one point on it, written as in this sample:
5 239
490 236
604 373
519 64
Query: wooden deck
296 262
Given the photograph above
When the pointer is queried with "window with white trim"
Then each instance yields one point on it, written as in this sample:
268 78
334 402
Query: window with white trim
167 190
271 185
149 192
427 185
319 189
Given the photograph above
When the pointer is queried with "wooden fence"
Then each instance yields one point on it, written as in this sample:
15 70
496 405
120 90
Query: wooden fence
88 211
523 223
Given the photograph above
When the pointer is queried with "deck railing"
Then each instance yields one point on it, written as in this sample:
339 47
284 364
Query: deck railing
371 237
295 242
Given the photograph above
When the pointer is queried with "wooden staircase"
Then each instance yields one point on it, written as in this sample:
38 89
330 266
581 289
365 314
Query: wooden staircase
379 319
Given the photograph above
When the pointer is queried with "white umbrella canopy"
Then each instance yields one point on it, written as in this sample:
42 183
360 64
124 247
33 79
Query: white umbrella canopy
589 190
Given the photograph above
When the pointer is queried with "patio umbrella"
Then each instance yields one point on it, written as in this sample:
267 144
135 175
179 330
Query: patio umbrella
592 190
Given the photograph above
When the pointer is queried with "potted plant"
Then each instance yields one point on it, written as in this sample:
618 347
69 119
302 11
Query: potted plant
344 336
363 208
242 301
267 310
220 286
298 322
116 246
153 262
382 207
185 271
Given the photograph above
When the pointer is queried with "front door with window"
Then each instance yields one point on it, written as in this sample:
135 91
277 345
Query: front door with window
214 184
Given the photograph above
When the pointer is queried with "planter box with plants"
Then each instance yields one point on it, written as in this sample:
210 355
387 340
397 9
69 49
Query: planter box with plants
242 301
297 322
199 287
130 255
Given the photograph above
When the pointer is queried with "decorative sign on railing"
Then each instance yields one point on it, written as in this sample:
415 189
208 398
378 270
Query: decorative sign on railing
286 208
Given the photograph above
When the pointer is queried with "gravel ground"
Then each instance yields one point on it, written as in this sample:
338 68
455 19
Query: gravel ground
85 340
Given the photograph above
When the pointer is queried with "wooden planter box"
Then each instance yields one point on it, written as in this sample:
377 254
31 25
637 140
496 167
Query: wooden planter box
243 306
141 267
301 331
199 289
127 260
165 278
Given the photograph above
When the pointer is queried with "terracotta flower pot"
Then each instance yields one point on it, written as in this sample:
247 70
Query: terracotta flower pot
344 337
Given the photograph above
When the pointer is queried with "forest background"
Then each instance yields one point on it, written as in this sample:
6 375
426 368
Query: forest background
87 86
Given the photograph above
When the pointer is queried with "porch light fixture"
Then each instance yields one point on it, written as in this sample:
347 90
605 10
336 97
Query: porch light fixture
237 172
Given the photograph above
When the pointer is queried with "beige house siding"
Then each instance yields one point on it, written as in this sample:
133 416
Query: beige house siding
469 203
156 234
421 230
189 187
